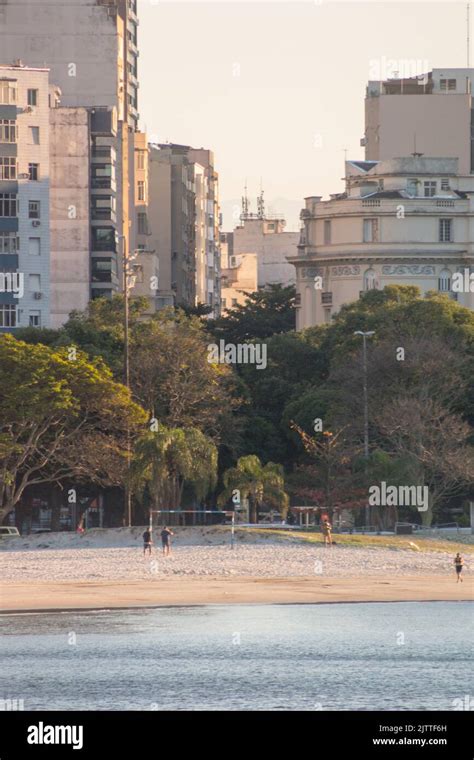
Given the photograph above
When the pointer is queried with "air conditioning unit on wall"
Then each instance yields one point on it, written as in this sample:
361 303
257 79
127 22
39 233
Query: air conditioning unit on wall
37 296
36 223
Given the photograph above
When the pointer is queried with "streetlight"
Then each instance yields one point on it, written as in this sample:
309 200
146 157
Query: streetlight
365 335
128 281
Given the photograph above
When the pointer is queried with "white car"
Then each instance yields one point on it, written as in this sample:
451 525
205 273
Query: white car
6 531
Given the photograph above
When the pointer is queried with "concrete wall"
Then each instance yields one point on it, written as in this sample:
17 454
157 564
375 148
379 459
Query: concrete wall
70 214
441 122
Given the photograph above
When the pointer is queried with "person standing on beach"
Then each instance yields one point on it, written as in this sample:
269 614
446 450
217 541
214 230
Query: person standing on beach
166 534
147 542
326 529
458 564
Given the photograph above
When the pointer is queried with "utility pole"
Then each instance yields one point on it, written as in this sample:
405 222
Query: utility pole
365 335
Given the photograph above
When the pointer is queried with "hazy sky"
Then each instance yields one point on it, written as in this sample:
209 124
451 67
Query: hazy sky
276 89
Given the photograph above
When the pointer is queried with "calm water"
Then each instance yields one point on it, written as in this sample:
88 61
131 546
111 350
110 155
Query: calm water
331 657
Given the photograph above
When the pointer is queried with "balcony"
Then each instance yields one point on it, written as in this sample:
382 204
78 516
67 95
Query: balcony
104 152
103 183
371 202
100 214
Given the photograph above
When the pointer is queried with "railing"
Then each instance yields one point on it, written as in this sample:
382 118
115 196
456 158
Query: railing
371 202
103 213
445 204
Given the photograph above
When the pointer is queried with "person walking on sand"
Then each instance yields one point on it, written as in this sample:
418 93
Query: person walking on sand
326 530
458 564
147 542
166 534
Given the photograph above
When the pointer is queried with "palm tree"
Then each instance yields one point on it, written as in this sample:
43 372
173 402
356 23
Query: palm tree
258 483
166 459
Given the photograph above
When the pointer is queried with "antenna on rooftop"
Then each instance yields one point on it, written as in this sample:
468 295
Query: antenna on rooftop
415 154
245 203
260 204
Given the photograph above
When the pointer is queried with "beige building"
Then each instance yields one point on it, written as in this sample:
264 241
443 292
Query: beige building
403 221
70 212
183 216
264 235
432 114
239 274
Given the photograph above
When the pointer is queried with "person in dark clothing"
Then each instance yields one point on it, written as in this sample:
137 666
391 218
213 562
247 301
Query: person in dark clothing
166 534
458 564
147 542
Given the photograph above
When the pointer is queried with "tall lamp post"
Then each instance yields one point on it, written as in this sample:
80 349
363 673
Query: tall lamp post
128 281
365 335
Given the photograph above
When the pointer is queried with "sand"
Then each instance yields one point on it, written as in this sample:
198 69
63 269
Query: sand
107 569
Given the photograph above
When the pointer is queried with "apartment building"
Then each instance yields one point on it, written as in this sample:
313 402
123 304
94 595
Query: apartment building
208 264
265 236
403 221
91 49
431 114
184 225
239 274
24 198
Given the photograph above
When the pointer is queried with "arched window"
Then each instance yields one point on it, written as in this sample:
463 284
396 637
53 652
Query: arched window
370 282
444 281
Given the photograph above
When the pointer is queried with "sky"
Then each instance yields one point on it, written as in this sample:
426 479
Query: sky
276 88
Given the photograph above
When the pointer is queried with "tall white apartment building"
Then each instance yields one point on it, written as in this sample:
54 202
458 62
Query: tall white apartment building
24 197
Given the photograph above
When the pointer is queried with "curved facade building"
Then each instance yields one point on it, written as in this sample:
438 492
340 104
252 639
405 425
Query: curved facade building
405 221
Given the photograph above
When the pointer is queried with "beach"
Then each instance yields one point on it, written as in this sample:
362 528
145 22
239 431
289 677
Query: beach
107 569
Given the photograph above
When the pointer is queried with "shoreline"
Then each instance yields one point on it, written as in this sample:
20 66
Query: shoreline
79 595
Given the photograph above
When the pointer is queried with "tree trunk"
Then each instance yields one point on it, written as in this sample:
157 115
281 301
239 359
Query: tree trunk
56 503
253 510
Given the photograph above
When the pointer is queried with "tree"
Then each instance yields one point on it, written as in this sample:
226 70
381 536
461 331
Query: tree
266 312
167 458
259 484
172 377
437 443
61 418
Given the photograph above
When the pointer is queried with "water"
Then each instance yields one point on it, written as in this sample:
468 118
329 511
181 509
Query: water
401 656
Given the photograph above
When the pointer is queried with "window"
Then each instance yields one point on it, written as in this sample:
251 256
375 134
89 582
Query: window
445 185
223 302
33 172
35 318
8 93
327 231
370 280
32 97
34 283
138 273
34 135
103 239
7 315
142 224
7 167
370 231
444 281
234 302
429 189
412 185
8 131
34 246
8 205
34 210
9 242
445 230
447 84
141 159
141 190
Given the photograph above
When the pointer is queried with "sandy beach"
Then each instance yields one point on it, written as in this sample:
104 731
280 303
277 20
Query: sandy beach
107 569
